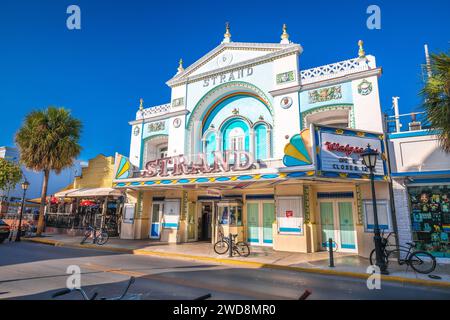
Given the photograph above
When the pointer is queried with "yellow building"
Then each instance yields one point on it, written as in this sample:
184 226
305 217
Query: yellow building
97 174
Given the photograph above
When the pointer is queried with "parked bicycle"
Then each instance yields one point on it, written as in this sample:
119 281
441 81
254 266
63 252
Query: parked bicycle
223 246
100 236
123 296
83 293
421 261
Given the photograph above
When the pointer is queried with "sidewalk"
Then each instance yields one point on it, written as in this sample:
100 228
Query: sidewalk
260 257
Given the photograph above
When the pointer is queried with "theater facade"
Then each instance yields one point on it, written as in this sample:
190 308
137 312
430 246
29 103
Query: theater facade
252 144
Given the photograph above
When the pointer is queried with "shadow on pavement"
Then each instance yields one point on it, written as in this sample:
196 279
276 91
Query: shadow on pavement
22 252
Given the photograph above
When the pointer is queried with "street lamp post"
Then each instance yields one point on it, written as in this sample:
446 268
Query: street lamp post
24 186
369 158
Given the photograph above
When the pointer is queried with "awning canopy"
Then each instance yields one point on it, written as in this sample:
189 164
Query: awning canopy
88 192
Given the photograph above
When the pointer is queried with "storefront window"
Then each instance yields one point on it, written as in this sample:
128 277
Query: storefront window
224 216
430 218
235 216
231 215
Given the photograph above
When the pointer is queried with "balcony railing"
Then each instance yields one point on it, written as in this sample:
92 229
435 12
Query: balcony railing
332 70
153 111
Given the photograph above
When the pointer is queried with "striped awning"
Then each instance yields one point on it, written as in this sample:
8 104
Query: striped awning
88 192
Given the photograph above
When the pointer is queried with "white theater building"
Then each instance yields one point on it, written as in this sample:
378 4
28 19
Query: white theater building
252 144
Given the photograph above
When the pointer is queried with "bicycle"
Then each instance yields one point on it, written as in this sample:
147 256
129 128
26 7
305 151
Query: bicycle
421 261
223 245
94 296
100 237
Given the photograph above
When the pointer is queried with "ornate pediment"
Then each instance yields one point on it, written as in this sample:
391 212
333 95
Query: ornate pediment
231 55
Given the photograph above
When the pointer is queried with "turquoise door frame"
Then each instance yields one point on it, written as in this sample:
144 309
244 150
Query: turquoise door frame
260 218
155 223
336 218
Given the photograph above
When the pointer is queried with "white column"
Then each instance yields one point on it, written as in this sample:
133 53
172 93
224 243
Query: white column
402 212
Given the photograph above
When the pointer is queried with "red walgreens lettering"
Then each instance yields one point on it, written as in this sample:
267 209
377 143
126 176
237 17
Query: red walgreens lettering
347 149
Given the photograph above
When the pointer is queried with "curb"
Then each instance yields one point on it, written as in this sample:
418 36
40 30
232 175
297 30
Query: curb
254 264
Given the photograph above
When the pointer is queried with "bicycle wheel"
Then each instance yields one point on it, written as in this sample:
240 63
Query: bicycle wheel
86 235
422 262
102 238
242 249
221 247
373 258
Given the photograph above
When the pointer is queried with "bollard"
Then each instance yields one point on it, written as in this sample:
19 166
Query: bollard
230 247
330 246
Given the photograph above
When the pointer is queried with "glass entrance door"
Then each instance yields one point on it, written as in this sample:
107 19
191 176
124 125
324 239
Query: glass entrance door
155 226
268 219
260 217
346 227
253 223
336 219
327 222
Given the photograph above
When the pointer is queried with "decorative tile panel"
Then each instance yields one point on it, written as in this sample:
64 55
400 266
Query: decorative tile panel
285 77
156 126
325 94
178 102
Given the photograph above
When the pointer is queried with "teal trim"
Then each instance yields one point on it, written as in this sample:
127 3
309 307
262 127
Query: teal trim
435 180
171 225
143 142
261 141
297 230
268 241
258 91
303 114
235 123
225 103
348 246
253 240
418 133
419 173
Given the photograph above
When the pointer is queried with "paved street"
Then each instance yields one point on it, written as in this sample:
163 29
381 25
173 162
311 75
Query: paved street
35 271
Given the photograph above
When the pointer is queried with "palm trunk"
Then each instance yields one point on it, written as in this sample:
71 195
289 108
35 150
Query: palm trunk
40 226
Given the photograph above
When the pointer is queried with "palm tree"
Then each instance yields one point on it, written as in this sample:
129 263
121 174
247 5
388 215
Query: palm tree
48 141
436 95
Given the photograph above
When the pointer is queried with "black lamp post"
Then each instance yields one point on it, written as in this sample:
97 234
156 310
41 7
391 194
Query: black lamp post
24 186
369 159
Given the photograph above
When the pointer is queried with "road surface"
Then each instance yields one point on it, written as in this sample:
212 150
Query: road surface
35 271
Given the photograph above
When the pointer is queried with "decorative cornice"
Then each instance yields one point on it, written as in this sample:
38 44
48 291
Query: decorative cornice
283 50
160 117
327 82
344 78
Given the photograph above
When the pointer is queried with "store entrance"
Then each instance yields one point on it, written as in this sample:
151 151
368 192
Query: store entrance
336 220
204 222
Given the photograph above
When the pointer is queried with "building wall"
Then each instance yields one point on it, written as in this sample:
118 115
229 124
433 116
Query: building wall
417 151
98 174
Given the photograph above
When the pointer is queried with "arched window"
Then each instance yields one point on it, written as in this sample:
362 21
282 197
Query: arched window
262 142
337 116
210 145
154 148
236 135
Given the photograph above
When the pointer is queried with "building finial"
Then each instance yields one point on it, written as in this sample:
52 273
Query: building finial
227 35
361 52
141 104
284 35
180 66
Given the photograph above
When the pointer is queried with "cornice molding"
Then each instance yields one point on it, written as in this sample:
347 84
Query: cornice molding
160 117
328 82
291 49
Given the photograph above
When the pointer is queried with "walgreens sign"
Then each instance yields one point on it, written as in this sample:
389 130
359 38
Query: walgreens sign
342 153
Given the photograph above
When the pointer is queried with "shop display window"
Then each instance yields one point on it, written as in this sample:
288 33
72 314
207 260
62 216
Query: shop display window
383 213
430 218
230 214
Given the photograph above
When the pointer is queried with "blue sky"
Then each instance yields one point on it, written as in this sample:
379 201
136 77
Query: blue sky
129 49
